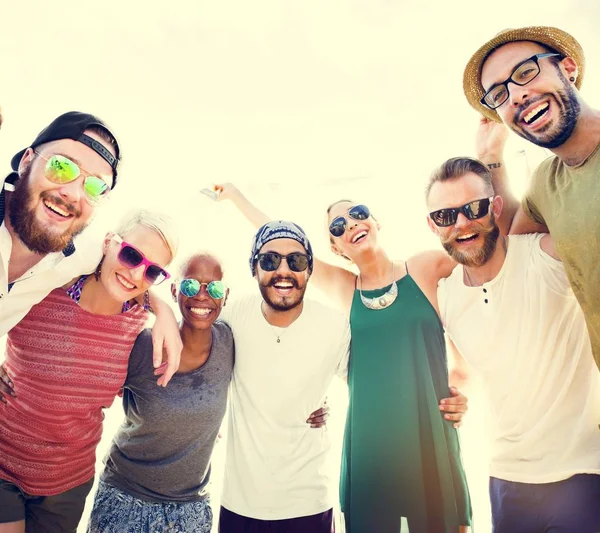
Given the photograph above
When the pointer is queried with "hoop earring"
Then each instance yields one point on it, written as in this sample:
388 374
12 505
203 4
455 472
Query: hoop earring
572 78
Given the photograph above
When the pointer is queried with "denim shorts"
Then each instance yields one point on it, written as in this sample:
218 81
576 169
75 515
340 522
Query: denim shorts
116 511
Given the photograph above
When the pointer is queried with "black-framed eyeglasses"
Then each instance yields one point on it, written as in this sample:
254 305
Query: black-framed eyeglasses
270 261
473 210
339 225
522 74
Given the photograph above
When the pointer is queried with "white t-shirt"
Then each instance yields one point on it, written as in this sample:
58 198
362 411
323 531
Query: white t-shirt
53 271
525 333
276 464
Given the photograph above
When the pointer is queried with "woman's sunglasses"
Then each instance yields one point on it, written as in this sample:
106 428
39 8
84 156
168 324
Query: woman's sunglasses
131 257
473 210
270 261
192 287
339 225
61 170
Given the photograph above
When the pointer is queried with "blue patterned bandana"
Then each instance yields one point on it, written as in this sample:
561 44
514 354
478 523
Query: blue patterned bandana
279 229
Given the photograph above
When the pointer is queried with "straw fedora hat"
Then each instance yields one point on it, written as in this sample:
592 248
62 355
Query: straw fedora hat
553 38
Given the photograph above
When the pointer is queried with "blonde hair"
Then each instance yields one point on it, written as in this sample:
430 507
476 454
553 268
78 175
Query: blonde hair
160 223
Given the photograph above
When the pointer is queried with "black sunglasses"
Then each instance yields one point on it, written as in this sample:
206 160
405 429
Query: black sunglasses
270 261
339 225
523 73
473 210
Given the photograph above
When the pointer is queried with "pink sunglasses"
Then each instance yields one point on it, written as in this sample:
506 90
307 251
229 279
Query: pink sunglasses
131 257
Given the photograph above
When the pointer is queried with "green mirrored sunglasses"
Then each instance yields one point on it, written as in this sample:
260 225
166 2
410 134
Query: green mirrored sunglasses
192 287
60 169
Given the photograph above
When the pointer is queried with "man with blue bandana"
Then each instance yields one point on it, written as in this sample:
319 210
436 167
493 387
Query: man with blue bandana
288 350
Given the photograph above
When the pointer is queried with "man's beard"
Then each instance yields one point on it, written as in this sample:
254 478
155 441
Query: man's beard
481 256
569 108
287 302
34 235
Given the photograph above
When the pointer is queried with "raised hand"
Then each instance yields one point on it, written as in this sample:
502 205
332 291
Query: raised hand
226 191
490 140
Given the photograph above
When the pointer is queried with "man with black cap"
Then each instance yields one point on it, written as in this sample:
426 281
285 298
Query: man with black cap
529 78
288 350
45 203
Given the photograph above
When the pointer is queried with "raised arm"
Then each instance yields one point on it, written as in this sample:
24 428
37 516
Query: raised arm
489 146
228 191
336 282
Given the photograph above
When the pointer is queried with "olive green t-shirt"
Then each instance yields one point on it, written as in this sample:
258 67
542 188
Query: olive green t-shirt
567 200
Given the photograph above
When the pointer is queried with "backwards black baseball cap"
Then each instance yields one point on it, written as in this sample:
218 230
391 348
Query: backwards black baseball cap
72 125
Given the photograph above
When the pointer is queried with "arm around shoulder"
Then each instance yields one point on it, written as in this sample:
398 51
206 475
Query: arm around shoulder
458 368
524 223
434 263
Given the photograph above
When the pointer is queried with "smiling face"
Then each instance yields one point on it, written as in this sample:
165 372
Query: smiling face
46 215
545 111
360 235
122 283
469 242
282 289
200 311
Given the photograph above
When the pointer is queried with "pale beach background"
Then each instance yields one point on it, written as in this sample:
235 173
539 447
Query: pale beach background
298 103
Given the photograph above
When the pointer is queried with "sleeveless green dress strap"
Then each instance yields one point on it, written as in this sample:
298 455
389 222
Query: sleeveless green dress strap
400 457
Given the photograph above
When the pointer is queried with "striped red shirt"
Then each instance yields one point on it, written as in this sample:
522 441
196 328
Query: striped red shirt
67 364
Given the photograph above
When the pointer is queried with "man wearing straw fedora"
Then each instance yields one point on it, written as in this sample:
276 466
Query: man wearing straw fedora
529 78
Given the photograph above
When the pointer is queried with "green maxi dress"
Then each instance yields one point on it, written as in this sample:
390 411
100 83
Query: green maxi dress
400 457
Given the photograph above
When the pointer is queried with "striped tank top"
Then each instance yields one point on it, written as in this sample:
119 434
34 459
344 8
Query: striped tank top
67 365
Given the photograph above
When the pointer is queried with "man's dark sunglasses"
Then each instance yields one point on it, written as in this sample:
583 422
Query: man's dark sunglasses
339 225
473 210
270 261
523 73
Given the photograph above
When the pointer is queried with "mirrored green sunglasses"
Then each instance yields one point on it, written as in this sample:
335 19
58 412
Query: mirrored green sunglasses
60 169
192 287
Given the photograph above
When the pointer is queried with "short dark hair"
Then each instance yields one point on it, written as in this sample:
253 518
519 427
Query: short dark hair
457 167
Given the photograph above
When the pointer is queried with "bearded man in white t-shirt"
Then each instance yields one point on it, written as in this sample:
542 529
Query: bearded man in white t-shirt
287 351
511 315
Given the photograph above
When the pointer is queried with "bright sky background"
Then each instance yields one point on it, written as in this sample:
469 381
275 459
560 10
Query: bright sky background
299 103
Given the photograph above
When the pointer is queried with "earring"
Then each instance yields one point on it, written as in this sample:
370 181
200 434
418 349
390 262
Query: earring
147 305
572 78
98 270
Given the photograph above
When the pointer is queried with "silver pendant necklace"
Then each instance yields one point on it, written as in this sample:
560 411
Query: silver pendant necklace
278 335
383 301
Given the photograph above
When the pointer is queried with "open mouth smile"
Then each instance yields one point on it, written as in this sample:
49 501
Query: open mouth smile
201 312
56 210
359 237
467 237
536 113
125 283
284 288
